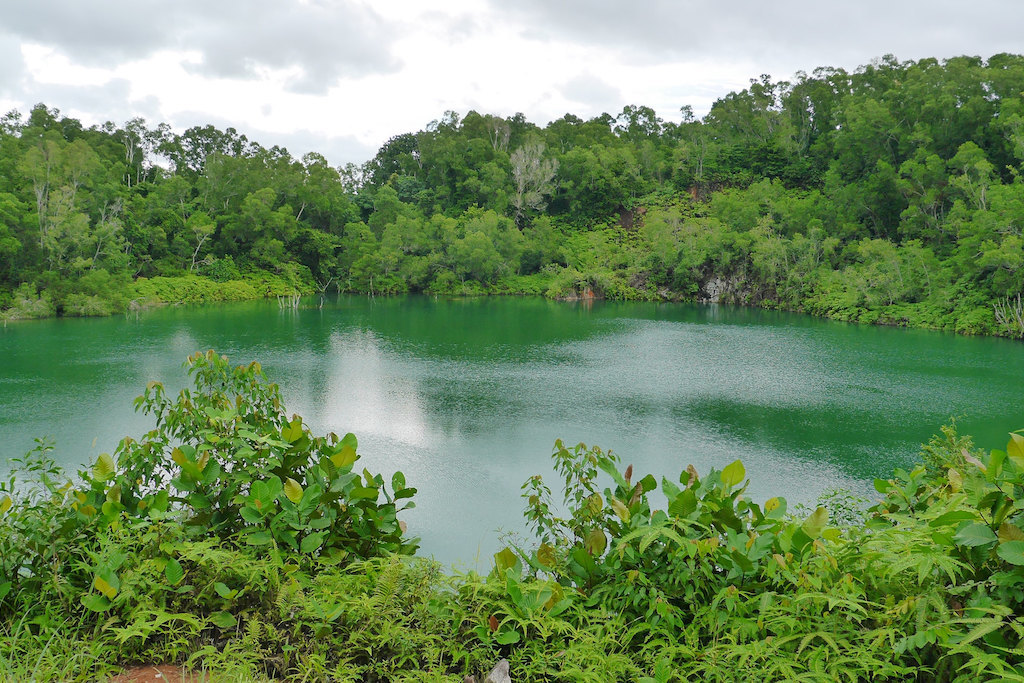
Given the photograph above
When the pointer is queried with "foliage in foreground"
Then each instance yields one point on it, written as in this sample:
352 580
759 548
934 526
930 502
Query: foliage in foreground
231 539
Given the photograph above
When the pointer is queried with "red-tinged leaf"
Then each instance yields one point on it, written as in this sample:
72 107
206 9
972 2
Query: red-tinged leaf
972 460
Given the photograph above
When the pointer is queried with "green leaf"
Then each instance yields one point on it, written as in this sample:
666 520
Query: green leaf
595 542
173 572
104 467
292 432
107 584
882 486
814 524
96 603
312 542
974 535
223 620
397 482
363 492
953 517
546 555
733 473
507 637
162 500
293 490
956 480
608 467
251 515
1012 552
114 493
620 509
259 538
1015 449
5 504
648 483
684 504
198 501
405 493
223 590
350 440
1009 532
505 559
5 588
669 488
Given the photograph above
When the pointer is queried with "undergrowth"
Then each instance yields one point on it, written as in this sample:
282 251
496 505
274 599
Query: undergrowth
231 539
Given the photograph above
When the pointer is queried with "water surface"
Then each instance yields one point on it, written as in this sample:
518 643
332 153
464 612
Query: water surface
467 396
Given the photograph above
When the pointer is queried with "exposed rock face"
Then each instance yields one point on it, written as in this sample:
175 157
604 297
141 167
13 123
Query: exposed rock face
587 294
712 291
498 675
730 290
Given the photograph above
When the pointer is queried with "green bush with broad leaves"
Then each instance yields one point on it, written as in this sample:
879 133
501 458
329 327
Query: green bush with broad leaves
224 462
716 586
232 539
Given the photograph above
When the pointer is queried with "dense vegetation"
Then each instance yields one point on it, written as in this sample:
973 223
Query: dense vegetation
889 194
232 539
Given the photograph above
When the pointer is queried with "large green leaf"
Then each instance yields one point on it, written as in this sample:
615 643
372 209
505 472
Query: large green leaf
815 523
104 468
684 504
345 456
648 483
620 509
223 620
505 559
1015 449
595 542
259 538
312 542
173 572
224 591
1009 532
974 535
107 583
952 517
546 555
507 637
292 432
96 603
1012 552
293 490
733 473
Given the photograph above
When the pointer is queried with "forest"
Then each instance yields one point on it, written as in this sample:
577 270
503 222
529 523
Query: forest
890 194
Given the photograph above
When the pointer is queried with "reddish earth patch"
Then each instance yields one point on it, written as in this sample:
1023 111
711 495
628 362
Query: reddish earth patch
164 673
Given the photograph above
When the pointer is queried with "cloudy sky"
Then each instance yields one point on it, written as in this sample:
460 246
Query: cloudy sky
340 77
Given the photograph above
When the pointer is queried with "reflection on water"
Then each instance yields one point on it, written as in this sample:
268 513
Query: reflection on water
468 396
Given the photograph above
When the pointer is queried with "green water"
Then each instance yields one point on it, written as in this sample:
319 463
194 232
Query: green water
468 396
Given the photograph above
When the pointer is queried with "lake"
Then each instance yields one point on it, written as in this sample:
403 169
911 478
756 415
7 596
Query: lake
467 396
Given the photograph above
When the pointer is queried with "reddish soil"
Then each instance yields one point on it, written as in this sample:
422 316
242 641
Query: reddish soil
163 673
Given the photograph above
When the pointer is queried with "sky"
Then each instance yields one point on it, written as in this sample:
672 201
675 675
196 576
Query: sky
341 77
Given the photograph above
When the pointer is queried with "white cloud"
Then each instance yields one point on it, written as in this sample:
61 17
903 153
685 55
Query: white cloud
341 76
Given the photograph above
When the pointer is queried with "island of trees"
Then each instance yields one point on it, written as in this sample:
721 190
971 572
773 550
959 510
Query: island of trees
889 194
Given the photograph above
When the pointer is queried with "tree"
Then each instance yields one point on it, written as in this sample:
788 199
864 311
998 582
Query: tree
531 178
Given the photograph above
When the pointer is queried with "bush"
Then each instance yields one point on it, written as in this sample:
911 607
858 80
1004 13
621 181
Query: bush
232 538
